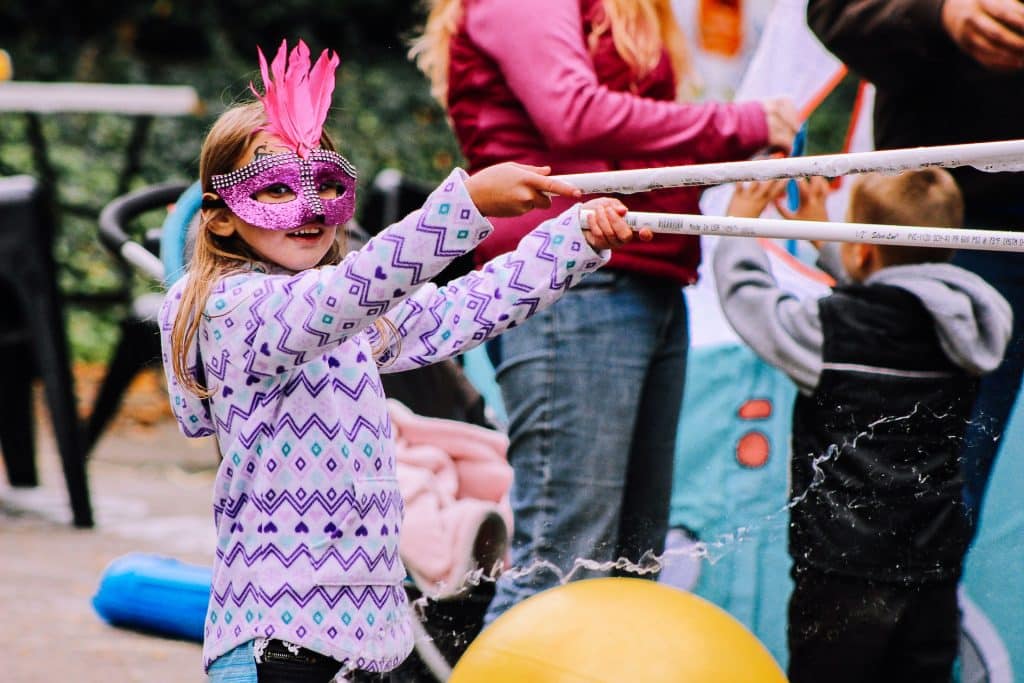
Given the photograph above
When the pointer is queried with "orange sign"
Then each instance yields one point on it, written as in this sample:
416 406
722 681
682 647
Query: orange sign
6 69
720 26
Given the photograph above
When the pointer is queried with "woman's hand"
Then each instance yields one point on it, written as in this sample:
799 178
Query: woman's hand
605 228
783 122
511 189
749 200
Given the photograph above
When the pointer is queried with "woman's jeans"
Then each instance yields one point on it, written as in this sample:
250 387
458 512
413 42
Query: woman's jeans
593 388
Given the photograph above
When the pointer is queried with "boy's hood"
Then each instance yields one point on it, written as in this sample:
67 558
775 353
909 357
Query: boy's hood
972 319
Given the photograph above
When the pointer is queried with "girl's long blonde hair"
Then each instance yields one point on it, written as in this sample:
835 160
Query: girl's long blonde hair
213 256
640 30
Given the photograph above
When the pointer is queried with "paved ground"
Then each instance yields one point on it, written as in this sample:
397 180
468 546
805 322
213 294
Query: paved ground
151 489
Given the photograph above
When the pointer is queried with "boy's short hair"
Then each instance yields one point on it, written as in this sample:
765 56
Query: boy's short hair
928 197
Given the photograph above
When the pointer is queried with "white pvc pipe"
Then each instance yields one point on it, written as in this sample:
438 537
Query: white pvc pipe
985 156
115 98
894 235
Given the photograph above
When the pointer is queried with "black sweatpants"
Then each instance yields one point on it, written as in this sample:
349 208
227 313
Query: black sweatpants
849 630
289 664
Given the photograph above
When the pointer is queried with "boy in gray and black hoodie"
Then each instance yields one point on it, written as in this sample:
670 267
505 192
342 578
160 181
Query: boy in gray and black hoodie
887 367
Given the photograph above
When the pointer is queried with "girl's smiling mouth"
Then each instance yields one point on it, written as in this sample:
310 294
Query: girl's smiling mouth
307 233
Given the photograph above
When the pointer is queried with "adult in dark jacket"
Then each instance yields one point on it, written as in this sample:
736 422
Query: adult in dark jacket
951 72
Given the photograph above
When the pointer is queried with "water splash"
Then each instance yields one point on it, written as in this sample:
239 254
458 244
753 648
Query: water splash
711 551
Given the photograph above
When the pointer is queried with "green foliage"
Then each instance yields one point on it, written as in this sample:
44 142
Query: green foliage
382 115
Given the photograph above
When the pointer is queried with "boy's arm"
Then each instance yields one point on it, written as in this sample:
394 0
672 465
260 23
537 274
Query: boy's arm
439 322
784 331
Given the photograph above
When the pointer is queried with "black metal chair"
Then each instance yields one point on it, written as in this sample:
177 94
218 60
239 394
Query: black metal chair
139 344
33 343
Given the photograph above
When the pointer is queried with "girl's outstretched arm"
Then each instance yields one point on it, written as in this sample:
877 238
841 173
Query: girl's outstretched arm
269 324
440 322
281 321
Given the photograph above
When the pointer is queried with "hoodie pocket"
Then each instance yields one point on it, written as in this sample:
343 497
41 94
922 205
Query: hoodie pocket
365 549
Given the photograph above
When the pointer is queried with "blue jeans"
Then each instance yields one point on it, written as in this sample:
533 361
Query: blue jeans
998 392
593 388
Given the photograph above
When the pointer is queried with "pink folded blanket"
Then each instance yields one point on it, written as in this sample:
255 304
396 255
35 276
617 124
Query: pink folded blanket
455 479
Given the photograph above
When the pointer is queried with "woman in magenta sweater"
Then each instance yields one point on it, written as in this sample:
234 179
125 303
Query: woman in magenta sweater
589 85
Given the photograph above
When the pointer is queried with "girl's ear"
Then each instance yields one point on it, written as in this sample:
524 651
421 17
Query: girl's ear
220 221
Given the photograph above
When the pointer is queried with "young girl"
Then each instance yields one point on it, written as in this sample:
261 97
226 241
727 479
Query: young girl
274 341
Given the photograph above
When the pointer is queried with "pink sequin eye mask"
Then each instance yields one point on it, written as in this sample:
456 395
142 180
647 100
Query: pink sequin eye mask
321 171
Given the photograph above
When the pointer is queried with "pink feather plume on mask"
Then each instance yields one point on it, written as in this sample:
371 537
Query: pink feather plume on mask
297 97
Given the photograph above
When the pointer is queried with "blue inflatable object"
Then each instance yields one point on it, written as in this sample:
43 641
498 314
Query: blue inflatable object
156 594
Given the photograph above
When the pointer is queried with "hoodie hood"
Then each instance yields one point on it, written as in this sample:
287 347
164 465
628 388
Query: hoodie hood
192 412
972 319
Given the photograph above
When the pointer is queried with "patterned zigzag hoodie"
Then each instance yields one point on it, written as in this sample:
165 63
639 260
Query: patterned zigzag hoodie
306 502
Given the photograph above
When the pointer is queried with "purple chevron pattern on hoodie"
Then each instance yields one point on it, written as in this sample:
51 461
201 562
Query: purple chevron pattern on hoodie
306 501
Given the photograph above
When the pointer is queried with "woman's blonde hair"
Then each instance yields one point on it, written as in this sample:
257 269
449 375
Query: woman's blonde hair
214 256
640 30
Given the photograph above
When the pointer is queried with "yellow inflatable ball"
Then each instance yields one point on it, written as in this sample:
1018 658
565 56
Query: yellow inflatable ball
616 630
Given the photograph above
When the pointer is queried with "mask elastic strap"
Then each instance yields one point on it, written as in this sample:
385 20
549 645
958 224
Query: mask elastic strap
217 203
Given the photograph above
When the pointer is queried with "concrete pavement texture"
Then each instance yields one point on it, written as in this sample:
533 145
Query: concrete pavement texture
151 491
